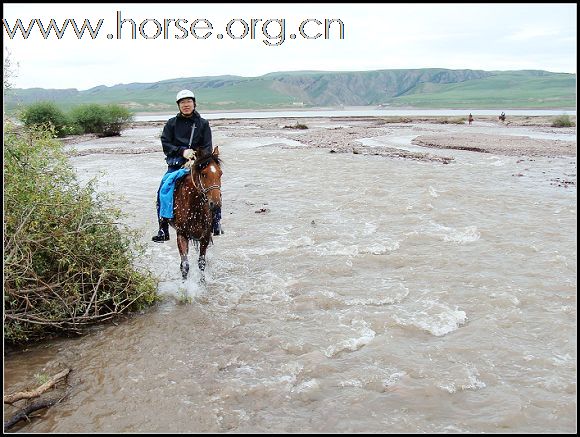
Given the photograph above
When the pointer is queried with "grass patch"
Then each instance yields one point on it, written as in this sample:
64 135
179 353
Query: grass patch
562 121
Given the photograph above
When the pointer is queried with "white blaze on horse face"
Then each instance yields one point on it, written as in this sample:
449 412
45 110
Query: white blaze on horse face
212 169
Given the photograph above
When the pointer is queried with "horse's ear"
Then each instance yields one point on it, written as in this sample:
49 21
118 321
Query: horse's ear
216 151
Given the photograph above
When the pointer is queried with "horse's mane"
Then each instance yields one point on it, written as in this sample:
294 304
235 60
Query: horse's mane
202 162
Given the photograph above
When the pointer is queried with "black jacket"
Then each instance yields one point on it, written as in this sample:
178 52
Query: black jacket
176 134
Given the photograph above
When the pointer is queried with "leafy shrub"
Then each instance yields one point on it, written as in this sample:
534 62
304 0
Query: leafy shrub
116 119
45 114
89 118
296 126
68 262
105 121
72 129
562 121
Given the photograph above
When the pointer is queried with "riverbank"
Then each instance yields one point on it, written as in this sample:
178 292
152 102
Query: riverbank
486 134
389 137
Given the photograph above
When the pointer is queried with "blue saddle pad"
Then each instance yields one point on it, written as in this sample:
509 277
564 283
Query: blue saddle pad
166 190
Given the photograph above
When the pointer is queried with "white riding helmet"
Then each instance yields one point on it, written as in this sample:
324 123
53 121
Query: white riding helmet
184 94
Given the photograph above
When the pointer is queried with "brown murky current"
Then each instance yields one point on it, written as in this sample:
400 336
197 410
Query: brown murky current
349 293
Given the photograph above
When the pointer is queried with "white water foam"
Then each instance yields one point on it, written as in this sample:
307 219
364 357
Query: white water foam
433 317
466 378
469 234
352 344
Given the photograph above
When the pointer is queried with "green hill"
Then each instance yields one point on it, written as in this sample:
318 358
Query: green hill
425 88
512 89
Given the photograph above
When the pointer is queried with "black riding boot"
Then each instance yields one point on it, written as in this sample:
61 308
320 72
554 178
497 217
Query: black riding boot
163 233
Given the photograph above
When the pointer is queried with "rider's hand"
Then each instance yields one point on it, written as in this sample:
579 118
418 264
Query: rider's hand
188 154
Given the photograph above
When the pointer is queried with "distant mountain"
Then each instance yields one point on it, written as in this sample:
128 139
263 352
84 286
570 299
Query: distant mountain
424 88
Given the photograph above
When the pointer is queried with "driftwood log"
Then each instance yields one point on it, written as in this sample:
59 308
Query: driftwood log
10 399
36 405
23 413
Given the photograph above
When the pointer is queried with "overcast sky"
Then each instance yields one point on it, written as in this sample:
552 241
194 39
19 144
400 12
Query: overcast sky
375 36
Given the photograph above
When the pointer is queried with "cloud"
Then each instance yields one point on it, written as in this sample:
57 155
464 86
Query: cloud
376 36
527 34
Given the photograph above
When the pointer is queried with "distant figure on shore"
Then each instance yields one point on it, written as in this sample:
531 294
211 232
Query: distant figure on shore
501 117
470 118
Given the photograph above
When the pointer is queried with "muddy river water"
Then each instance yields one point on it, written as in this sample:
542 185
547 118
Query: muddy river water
349 293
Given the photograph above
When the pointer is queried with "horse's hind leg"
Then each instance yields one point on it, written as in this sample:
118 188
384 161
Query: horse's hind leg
183 246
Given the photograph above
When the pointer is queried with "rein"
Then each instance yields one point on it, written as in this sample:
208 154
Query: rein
203 190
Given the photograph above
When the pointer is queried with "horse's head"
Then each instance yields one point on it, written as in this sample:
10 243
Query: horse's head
207 177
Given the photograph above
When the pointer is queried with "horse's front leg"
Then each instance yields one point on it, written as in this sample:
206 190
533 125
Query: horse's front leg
183 246
203 243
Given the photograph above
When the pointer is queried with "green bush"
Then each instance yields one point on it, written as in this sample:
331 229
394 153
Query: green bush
46 114
116 119
68 262
89 118
562 121
296 126
105 121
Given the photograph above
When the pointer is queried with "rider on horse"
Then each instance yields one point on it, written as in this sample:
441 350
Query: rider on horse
183 136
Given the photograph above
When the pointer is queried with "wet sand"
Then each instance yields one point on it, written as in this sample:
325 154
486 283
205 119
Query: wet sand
343 134
498 144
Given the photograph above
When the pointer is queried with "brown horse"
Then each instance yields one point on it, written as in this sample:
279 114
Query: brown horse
196 196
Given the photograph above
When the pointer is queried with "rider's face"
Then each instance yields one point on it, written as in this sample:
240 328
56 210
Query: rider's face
186 106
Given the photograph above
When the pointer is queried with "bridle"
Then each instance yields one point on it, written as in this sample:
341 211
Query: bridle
204 190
